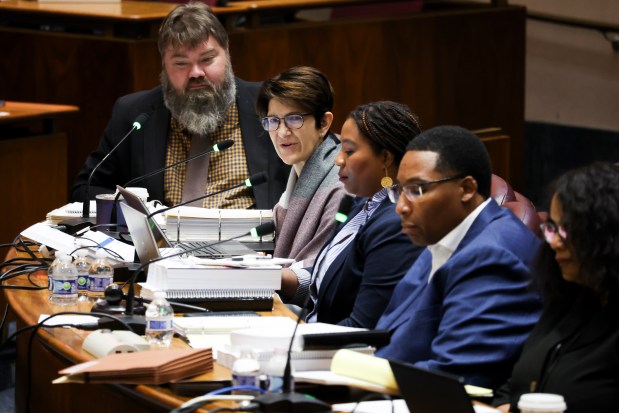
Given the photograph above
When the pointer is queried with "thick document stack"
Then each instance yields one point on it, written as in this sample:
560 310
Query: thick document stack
187 223
263 340
214 287
146 367
305 360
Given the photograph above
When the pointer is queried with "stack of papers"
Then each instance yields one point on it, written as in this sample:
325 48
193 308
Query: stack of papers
187 223
180 274
305 360
69 211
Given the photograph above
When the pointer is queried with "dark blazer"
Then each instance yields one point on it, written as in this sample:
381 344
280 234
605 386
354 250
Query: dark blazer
476 312
358 285
572 351
145 150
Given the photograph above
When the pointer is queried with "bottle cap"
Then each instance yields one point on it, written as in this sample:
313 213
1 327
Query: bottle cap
82 252
101 253
160 294
542 402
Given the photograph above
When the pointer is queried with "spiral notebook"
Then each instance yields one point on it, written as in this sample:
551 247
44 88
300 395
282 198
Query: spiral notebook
216 288
213 288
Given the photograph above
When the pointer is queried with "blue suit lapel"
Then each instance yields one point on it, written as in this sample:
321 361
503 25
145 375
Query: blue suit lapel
485 217
416 280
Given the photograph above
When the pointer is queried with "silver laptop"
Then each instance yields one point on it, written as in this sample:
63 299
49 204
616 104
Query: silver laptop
229 248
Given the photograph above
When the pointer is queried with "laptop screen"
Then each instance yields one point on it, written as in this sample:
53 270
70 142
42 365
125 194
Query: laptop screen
137 204
429 391
141 234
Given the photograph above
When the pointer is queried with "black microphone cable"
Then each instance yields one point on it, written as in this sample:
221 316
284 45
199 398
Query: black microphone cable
254 180
35 328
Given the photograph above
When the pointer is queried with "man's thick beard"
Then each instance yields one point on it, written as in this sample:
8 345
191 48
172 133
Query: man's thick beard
200 111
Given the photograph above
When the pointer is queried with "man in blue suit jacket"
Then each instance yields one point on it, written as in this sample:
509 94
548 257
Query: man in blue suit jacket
465 306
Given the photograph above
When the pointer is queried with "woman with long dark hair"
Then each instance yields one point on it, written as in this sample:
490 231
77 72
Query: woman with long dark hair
574 349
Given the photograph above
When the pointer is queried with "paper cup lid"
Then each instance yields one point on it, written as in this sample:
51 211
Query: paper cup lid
140 192
542 402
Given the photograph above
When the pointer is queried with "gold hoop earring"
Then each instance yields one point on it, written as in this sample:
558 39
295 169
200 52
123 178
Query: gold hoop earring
386 181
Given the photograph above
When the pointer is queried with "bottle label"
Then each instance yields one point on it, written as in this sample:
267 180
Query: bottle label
98 284
82 282
160 325
275 384
245 380
65 287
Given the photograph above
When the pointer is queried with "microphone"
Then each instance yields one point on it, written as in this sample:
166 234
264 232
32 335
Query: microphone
288 401
74 225
218 147
343 210
254 180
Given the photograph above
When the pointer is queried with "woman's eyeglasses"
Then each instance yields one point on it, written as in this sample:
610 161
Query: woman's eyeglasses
414 190
292 121
550 229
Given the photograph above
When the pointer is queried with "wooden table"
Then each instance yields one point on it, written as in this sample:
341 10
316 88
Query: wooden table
453 63
31 134
55 349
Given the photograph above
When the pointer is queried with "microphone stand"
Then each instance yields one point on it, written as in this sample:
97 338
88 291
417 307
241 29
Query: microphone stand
74 225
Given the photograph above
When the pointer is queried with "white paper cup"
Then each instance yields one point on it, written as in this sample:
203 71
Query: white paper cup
541 403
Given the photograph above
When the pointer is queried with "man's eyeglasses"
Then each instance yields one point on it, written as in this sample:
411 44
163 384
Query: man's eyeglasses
292 121
550 229
415 190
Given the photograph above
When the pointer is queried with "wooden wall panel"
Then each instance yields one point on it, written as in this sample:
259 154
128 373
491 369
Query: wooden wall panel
464 68
33 171
452 66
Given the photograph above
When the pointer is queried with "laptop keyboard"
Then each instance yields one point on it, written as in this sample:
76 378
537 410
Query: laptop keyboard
206 250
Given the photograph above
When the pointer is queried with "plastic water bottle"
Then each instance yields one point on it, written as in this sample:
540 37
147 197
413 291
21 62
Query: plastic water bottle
101 275
246 372
82 264
64 276
159 321
50 273
274 371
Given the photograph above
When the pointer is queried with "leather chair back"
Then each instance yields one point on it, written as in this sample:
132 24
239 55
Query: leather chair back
520 205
